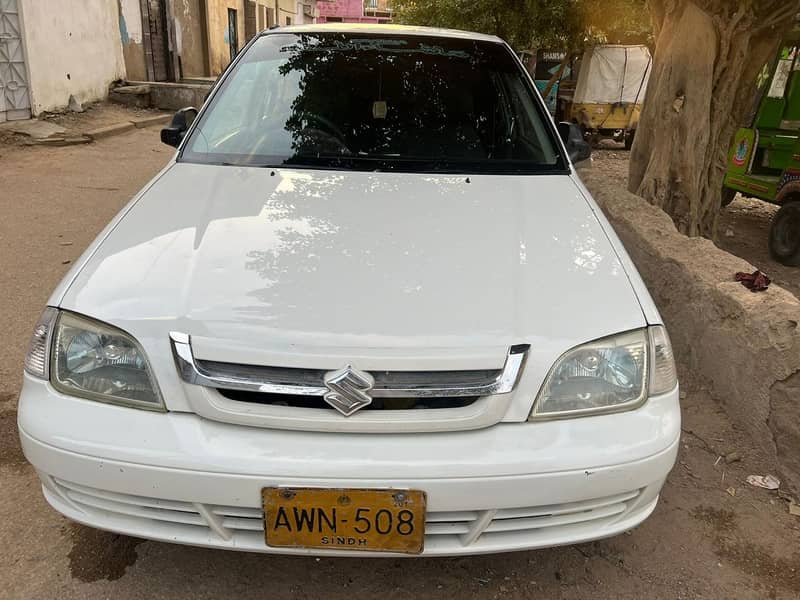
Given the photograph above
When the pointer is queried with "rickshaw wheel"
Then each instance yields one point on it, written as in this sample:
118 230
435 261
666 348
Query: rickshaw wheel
629 139
727 195
784 237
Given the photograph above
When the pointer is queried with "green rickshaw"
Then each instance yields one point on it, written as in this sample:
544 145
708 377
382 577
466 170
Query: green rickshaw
764 159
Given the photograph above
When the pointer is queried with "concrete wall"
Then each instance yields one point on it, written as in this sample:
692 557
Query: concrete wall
301 17
219 44
201 31
265 14
746 345
173 96
72 47
131 35
190 37
287 8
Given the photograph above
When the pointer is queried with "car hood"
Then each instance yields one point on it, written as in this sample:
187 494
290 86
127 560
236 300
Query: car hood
303 260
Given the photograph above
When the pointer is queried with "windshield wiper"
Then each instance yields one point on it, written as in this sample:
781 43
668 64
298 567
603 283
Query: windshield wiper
394 164
247 164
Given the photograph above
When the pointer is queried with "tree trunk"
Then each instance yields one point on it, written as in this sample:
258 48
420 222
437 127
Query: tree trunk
708 54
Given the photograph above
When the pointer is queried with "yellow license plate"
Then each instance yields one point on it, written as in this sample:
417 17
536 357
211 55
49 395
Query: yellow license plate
346 519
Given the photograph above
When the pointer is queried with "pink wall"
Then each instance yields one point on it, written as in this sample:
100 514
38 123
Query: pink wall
351 11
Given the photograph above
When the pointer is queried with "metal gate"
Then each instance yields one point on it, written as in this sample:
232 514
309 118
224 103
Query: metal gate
15 103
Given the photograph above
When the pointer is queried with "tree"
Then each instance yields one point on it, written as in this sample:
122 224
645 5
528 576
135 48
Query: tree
566 25
708 55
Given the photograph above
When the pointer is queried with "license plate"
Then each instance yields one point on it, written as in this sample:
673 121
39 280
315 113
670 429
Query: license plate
345 519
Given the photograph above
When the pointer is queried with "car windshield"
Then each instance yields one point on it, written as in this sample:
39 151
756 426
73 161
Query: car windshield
376 102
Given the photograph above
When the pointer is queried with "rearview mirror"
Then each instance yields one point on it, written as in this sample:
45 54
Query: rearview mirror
183 119
577 147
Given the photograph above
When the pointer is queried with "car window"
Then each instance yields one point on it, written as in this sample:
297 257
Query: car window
347 101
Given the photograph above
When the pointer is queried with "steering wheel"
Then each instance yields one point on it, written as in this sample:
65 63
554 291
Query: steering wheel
327 125
327 128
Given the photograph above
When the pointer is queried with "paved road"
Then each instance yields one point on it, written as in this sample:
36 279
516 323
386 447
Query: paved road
701 542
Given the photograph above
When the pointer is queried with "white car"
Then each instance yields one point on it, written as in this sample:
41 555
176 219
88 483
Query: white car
368 308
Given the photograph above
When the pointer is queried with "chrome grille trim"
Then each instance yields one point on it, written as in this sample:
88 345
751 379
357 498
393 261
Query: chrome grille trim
303 382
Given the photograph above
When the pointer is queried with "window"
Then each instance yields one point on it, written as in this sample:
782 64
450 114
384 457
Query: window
333 19
288 20
402 103
782 72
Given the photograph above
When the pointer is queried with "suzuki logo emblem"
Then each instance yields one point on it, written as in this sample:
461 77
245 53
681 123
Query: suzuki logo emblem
348 390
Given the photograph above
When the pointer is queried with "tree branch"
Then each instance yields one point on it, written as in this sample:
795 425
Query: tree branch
658 12
785 13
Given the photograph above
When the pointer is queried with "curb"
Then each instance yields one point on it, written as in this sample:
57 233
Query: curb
126 126
74 140
110 130
151 121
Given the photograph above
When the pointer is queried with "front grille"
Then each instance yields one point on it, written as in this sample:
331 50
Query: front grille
461 529
318 402
384 380
228 518
282 381
469 526
317 399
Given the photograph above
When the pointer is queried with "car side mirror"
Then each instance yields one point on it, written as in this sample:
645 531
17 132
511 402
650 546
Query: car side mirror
183 119
577 147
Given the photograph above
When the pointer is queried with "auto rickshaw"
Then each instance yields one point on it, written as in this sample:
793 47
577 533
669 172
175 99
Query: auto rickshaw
543 65
606 92
764 159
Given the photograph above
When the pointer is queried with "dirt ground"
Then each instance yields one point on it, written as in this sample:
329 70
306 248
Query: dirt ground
743 228
712 535
95 116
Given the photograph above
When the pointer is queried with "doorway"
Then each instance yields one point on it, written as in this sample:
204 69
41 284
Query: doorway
156 40
233 32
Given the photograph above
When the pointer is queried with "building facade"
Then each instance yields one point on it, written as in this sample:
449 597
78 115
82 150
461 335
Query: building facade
171 40
355 11
268 13
50 51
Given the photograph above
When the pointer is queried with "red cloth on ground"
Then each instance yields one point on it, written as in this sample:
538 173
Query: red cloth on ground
755 282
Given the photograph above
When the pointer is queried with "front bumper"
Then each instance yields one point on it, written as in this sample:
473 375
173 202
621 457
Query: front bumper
180 478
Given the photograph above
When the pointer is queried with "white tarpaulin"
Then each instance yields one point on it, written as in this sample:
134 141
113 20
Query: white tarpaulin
611 74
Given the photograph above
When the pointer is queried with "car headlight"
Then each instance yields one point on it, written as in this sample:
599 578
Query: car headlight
37 361
92 360
609 375
663 373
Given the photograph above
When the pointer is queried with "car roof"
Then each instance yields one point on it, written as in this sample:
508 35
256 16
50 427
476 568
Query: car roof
387 29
